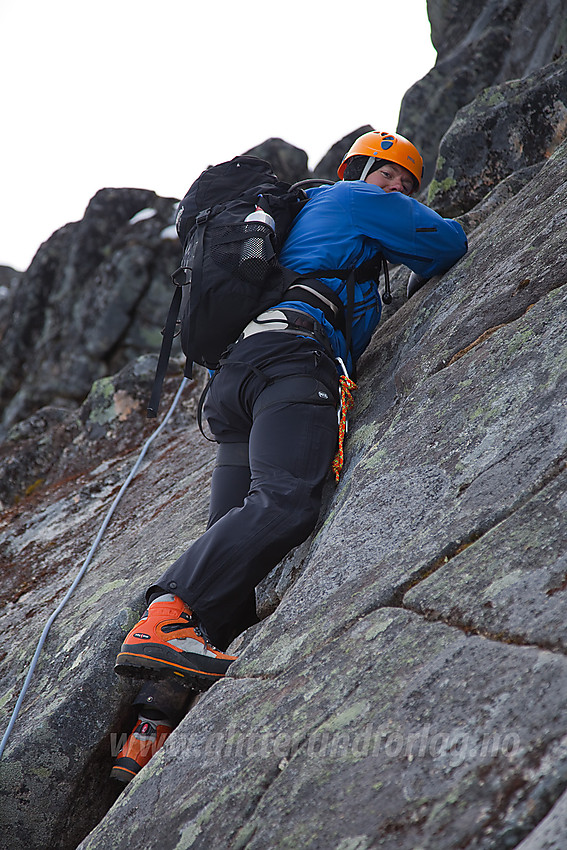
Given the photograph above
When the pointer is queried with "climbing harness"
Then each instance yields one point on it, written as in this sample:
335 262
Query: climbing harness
346 387
85 566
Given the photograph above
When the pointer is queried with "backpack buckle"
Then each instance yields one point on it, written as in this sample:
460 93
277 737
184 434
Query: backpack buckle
181 276
203 216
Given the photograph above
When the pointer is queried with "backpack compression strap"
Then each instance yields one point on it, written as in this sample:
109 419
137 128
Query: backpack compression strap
165 350
180 279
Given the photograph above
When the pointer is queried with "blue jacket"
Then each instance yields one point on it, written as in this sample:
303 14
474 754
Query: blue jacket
349 222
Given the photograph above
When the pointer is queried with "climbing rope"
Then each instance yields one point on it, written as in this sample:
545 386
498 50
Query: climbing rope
85 566
346 386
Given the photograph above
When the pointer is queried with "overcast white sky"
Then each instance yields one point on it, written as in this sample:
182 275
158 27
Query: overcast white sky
147 94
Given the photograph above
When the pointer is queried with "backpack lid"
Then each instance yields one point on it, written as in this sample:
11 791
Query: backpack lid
221 183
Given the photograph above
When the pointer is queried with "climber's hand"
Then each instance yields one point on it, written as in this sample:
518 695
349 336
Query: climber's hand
415 282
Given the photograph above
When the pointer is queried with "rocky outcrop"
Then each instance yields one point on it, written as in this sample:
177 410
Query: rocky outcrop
88 303
9 279
287 161
509 130
478 45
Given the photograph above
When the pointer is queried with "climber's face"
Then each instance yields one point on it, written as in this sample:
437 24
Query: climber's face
392 178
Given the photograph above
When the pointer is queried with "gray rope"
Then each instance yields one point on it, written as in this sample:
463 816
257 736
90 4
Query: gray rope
85 566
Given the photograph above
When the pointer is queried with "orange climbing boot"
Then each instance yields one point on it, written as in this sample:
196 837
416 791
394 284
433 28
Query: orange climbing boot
169 641
147 737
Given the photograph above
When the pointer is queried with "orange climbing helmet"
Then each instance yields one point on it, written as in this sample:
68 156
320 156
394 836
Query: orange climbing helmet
389 146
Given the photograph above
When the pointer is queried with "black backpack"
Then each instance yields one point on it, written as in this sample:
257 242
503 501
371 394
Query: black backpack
232 224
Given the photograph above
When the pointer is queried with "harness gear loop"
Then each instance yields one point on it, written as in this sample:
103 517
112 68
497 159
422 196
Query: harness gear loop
346 386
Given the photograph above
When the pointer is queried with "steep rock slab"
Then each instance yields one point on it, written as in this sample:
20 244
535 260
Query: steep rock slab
460 429
551 832
515 257
510 584
368 744
468 449
462 391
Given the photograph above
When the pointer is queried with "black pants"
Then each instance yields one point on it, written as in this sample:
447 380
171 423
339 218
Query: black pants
274 401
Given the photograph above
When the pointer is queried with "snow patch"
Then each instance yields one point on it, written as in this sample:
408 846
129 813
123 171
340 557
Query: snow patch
144 214
169 232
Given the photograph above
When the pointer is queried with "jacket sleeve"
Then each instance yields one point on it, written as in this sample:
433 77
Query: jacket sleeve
407 231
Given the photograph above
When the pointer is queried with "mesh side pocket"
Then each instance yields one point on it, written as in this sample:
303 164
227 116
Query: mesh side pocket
245 250
188 259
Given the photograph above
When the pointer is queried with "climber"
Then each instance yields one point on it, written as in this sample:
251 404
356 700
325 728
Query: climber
272 408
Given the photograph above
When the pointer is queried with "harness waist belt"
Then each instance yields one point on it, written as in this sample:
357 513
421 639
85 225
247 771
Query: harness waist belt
317 294
287 321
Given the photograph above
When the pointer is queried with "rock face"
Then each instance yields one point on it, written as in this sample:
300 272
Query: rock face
406 687
9 279
287 161
510 129
478 45
88 302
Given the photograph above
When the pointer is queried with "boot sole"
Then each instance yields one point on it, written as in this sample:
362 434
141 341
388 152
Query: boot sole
125 772
146 663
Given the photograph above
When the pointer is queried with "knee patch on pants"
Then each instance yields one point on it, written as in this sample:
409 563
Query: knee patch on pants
232 454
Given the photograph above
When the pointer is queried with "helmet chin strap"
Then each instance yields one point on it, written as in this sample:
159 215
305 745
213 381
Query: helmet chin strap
369 163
